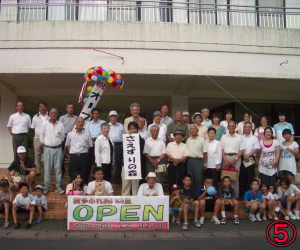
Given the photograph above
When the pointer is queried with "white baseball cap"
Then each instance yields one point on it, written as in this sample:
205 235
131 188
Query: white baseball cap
21 150
113 112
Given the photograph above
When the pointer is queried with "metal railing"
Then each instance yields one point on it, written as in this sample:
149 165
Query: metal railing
176 11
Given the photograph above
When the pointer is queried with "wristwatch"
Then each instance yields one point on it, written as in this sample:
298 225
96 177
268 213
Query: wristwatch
236 158
158 160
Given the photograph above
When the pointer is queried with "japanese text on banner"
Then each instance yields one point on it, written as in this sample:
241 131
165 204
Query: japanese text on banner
132 157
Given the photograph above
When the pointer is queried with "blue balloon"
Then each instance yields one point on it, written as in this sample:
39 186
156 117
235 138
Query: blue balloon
85 100
100 77
118 81
211 190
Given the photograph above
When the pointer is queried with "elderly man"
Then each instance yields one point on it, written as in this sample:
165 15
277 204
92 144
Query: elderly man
51 136
135 112
115 134
143 132
249 153
18 126
23 166
151 188
233 146
177 153
68 120
205 114
165 118
186 118
178 124
198 156
155 152
37 121
162 127
78 143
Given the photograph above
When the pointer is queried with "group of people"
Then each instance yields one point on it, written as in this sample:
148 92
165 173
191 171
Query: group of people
193 154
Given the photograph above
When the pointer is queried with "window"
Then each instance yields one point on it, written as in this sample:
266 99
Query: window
243 13
122 11
266 15
32 10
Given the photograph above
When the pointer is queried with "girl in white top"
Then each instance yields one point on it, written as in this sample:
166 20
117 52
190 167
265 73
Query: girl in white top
228 118
269 201
287 162
202 130
104 151
289 195
214 156
269 157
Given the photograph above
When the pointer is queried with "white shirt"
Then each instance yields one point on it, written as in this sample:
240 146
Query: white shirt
214 153
79 142
261 130
91 187
292 189
162 131
177 151
232 144
144 189
143 133
240 127
196 147
52 135
154 147
37 122
20 123
102 151
22 202
251 142
225 125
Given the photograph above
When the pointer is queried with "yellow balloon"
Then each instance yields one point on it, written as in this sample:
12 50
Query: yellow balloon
89 88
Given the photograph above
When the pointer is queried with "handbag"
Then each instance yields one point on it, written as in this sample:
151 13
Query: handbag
231 172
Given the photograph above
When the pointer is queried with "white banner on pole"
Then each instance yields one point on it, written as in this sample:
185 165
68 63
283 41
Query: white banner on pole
93 100
132 157
118 212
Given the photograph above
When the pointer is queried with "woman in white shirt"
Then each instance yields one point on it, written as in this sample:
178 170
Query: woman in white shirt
247 118
104 151
269 157
214 156
228 118
259 132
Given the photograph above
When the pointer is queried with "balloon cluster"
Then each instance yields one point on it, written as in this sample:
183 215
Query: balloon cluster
99 74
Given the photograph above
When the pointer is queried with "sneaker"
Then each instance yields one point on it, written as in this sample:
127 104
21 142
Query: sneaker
201 221
196 223
28 225
291 215
236 220
46 191
17 225
223 221
173 220
215 220
38 221
258 218
59 190
276 218
6 225
177 222
252 218
185 226
286 218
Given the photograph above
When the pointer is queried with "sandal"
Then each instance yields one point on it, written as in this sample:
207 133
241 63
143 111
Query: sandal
6 225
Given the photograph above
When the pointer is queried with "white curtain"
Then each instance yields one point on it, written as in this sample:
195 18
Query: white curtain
32 10
243 13
92 10
222 17
292 20
180 12
150 12
122 11
56 10
267 17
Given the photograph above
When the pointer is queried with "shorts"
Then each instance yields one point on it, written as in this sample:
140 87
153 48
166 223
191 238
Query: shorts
285 173
284 203
22 210
43 209
209 205
173 210
229 208
191 207
248 208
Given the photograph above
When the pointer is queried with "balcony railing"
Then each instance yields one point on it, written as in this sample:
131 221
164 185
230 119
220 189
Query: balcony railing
176 11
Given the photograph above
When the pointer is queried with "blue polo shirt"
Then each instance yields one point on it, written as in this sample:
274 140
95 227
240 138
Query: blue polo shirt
116 132
279 128
249 196
94 128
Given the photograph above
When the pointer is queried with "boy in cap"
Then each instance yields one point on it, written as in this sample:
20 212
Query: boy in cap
5 200
40 202
176 201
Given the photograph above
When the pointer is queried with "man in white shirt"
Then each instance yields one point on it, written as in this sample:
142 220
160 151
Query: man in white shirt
249 153
135 112
37 121
177 153
151 188
232 149
142 130
78 143
51 136
155 152
18 126
165 118
205 114
162 127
